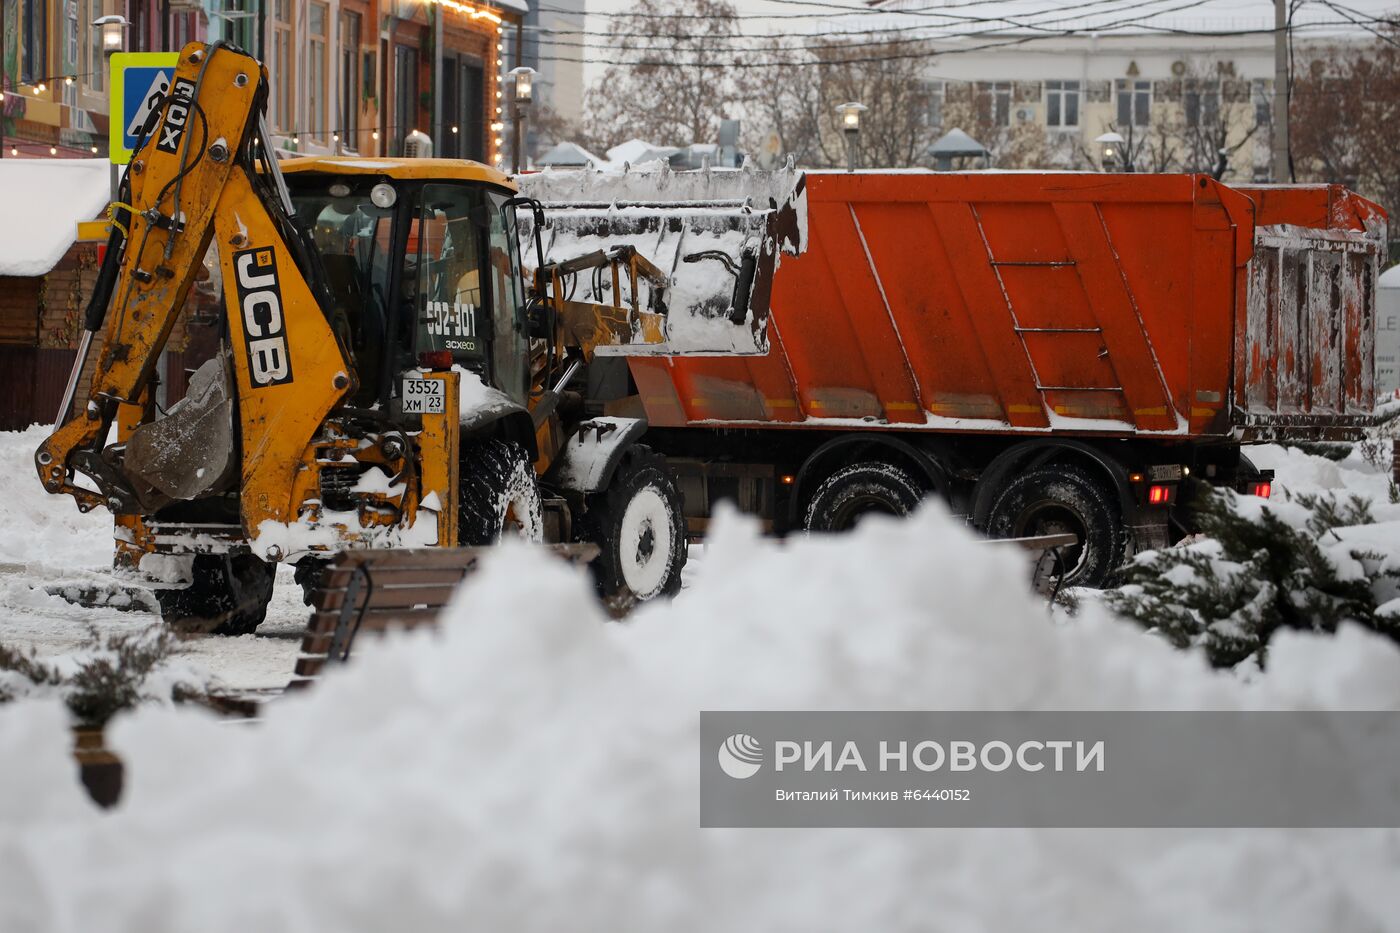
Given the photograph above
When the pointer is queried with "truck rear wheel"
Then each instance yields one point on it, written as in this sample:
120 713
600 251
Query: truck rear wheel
860 489
229 595
1056 499
639 527
497 494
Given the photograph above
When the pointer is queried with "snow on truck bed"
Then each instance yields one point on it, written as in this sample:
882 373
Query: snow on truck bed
532 766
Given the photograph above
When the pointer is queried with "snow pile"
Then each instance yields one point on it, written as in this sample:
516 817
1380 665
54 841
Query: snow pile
533 767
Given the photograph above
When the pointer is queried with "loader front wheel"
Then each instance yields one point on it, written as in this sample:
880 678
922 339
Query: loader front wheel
639 527
1060 498
497 495
228 596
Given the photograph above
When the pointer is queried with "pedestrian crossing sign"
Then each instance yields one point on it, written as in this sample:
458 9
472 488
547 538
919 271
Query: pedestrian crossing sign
139 81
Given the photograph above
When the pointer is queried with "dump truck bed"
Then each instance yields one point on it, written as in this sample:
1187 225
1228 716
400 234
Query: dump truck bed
1004 303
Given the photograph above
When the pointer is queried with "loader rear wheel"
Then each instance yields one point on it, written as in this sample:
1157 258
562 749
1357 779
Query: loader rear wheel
1060 498
497 494
229 595
860 489
639 527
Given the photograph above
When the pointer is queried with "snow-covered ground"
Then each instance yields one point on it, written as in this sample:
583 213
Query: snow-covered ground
532 766
46 542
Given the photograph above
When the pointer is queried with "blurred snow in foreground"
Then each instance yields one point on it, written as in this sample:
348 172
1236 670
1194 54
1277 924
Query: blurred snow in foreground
533 767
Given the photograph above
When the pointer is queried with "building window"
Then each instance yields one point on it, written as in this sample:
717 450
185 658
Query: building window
317 22
935 91
283 68
405 94
90 61
1134 102
994 102
350 79
35 65
1202 106
1062 103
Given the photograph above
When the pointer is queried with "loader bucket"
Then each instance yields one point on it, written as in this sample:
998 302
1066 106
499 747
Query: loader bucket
718 236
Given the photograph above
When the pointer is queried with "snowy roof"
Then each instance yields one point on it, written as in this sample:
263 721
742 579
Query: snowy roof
959 19
637 151
570 155
955 142
1390 278
45 199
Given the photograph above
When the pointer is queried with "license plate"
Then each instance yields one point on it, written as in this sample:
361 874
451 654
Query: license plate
423 396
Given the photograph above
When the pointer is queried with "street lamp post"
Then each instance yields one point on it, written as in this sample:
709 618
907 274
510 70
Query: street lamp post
1112 148
520 102
850 127
113 41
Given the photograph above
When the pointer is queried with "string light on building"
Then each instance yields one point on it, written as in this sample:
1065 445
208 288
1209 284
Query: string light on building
475 12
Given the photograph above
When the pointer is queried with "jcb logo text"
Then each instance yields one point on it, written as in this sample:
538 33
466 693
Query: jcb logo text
264 331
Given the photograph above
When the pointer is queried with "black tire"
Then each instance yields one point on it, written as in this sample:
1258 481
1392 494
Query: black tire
1061 498
871 487
229 595
497 493
639 527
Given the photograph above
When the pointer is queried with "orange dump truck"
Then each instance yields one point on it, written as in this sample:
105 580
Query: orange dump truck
1045 352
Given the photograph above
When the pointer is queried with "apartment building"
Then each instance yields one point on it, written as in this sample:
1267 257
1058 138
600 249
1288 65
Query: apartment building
1037 83
352 76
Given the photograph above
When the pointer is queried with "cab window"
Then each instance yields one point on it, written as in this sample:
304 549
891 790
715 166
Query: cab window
443 257
510 351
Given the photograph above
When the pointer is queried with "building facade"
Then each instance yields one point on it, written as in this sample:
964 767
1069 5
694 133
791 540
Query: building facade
1038 86
350 76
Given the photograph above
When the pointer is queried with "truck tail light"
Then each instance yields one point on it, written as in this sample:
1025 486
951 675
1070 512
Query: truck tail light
435 359
1262 490
1159 495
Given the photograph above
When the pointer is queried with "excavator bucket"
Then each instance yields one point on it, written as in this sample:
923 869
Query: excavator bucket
717 237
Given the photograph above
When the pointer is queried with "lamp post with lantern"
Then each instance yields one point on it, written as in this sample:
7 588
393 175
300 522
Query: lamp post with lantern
850 114
113 41
1113 148
521 98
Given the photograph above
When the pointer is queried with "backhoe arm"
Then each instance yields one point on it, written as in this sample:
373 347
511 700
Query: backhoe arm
197 177
172 186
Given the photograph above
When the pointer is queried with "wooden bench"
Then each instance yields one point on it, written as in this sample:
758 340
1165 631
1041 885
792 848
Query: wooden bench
374 590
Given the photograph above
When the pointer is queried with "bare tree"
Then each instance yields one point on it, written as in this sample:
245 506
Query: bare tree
895 130
675 87
787 101
1345 121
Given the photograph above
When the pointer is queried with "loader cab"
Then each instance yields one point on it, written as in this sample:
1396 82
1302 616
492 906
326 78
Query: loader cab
421 272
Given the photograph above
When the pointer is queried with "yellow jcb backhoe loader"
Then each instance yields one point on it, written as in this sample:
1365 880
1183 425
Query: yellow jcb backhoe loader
389 373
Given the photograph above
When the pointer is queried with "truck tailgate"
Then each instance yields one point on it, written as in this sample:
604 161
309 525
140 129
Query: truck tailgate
1305 351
